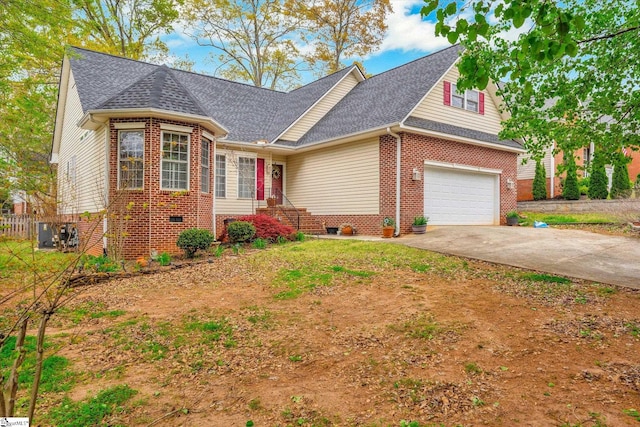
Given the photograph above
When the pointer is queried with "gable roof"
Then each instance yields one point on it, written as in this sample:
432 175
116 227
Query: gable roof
384 99
105 82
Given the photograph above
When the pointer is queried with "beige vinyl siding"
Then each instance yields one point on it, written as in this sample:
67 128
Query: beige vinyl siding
231 204
433 108
339 180
82 190
316 112
528 170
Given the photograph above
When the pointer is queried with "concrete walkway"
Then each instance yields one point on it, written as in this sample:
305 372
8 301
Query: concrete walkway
605 259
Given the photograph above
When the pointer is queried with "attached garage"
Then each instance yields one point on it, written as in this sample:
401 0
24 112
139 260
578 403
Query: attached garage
461 195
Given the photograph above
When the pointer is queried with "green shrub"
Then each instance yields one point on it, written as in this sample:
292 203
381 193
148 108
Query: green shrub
299 236
100 264
620 184
193 240
163 259
637 183
259 243
570 190
598 183
240 231
540 182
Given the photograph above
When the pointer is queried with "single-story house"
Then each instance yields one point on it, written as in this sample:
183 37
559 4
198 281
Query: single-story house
175 150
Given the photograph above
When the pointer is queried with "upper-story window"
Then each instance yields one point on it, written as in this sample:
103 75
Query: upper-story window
221 175
470 100
205 165
131 159
175 161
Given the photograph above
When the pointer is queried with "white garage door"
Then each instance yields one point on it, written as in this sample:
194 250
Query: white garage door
460 197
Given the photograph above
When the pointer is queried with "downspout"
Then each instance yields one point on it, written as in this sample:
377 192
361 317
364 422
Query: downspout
214 145
107 176
552 182
398 169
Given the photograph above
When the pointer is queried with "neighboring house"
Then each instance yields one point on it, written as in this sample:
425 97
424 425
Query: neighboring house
181 150
583 157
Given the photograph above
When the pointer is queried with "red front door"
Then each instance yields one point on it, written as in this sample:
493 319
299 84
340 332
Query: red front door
260 180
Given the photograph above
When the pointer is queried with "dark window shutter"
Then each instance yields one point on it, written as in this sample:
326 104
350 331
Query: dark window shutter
481 103
447 93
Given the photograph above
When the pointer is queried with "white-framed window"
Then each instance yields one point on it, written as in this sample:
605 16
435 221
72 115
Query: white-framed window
131 159
221 176
469 100
174 170
205 166
246 177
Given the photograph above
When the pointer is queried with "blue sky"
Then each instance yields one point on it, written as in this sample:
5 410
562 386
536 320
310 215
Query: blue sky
408 37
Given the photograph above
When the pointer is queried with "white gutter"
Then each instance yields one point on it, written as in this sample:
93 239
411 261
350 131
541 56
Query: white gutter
398 169
462 139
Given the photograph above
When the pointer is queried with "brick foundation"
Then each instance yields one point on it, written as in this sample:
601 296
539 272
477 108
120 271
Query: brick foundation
525 189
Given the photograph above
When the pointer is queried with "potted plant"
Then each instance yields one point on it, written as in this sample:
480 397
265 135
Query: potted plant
346 229
512 218
271 202
419 225
388 226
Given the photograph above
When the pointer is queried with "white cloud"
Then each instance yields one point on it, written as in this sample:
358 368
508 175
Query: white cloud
408 31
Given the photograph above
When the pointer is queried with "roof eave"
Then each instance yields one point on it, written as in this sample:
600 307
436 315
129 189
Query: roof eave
377 131
461 139
63 86
93 119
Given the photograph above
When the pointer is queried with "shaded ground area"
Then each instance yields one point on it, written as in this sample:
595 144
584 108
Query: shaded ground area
358 334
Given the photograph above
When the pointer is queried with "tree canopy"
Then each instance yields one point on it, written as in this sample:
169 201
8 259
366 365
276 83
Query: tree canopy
343 28
569 71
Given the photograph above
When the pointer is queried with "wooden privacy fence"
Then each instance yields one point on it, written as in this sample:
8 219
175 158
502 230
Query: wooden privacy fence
18 226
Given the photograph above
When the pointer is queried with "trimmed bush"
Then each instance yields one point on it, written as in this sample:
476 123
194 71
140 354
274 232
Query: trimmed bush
540 182
620 184
240 231
570 190
193 240
598 182
269 228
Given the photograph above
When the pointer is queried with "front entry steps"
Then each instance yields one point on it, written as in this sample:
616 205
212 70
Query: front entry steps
308 223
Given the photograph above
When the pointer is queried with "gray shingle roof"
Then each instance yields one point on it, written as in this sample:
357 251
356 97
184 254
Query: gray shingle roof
383 99
460 131
158 89
249 113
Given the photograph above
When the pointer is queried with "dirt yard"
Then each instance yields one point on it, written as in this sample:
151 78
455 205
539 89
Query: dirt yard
326 333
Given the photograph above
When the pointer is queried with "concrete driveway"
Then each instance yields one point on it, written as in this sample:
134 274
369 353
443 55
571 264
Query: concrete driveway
605 259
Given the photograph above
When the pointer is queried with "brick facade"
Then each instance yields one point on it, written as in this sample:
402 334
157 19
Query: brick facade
525 189
144 216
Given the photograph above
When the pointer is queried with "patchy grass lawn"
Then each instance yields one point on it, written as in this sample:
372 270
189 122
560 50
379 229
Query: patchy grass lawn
347 333
572 218
20 259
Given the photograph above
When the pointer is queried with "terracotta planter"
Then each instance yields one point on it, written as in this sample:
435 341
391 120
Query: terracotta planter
388 231
347 231
271 202
419 229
